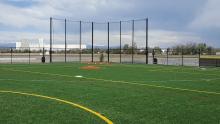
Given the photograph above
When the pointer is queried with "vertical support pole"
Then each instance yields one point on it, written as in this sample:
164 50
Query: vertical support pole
51 39
153 55
92 41
146 49
108 42
132 47
199 56
167 56
11 55
29 55
43 52
120 41
80 41
182 55
65 41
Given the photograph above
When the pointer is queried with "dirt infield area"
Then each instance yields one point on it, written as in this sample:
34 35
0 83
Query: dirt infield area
90 67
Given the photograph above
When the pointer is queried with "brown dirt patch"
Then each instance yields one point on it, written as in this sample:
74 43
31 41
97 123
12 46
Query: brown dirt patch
90 68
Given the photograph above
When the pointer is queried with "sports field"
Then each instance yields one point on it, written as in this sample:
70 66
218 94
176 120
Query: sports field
73 93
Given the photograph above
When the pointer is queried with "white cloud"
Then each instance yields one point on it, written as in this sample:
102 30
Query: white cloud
12 37
36 17
15 17
164 38
208 17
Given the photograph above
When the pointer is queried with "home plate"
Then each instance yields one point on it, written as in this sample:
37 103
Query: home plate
78 76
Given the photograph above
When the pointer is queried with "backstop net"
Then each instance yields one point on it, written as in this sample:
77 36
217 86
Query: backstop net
80 41
116 42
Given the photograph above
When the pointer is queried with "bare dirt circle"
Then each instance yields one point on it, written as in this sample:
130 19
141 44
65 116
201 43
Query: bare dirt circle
90 67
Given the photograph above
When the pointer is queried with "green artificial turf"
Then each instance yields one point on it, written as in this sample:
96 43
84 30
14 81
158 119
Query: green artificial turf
125 94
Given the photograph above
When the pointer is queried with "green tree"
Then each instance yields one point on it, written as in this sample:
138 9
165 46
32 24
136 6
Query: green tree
157 50
125 48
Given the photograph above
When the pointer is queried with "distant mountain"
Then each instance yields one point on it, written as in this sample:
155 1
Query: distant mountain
7 45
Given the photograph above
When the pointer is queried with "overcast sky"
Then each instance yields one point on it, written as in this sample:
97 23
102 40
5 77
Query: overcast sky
170 21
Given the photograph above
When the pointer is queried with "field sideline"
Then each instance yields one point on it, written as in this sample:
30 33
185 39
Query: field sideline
115 93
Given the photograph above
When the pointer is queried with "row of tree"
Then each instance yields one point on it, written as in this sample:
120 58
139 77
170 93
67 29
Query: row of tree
187 49
194 48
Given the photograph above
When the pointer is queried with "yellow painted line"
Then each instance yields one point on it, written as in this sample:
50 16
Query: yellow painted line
62 101
125 82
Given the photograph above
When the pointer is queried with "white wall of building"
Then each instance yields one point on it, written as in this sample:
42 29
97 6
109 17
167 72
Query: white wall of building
41 45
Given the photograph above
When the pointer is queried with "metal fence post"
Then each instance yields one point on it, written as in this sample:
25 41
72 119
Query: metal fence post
29 55
108 42
80 41
199 56
11 55
182 55
132 47
167 56
92 41
120 41
146 41
153 55
65 41
51 39
43 52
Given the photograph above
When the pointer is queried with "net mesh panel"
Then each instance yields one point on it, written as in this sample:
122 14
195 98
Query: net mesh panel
150 53
73 41
36 54
126 38
175 57
86 40
139 45
190 57
100 41
5 55
36 50
58 41
114 39
20 55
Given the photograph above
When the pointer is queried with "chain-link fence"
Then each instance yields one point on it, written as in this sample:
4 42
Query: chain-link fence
180 57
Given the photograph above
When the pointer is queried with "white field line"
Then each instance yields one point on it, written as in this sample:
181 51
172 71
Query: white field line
200 79
152 81
122 82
